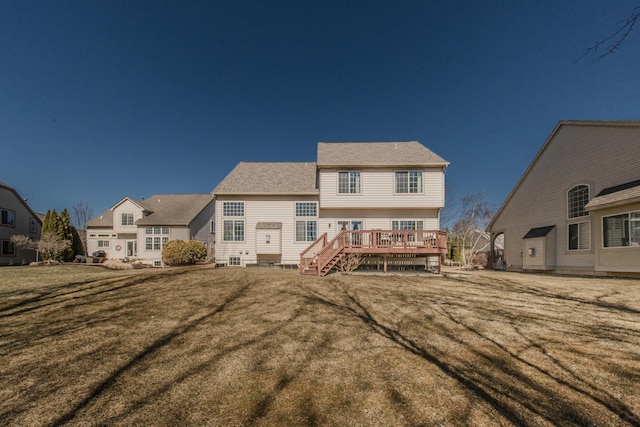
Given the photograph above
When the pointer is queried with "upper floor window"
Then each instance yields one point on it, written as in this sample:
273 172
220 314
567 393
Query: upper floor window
7 217
157 229
349 182
233 209
306 209
33 225
409 182
621 230
577 199
127 218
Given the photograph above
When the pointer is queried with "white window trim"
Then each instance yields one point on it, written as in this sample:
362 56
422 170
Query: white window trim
128 214
295 210
408 172
578 249
602 229
349 193
234 221
586 213
229 212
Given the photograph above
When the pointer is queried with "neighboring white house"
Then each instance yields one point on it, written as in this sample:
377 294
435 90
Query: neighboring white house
139 229
269 213
576 209
16 218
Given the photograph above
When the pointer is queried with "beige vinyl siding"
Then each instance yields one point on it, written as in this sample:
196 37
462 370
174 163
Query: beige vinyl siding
598 156
21 226
378 189
273 246
376 218
101 234
126 207
614 259
261 209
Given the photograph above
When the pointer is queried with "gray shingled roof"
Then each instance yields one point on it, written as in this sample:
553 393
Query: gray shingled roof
165 209
174 209
270 178
614 196
412 153
105 219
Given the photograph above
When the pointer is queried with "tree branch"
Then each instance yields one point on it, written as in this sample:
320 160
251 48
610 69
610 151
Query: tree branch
625 27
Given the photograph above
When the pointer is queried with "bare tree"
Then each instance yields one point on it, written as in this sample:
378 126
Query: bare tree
23 242
475 215
51 246
612 43
81 214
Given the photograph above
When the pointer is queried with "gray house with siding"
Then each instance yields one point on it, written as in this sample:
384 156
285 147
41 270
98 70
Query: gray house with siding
576 208
16 218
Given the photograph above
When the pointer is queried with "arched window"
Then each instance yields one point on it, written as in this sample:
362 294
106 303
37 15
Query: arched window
577 198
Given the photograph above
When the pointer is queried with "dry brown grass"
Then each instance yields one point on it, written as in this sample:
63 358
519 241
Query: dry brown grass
230 347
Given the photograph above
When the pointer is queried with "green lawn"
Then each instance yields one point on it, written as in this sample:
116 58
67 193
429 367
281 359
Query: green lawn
83 345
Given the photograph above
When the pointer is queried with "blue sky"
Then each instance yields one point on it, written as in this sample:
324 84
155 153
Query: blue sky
105 99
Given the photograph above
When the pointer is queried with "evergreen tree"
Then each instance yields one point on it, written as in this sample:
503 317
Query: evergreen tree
46 224
65 231
60 225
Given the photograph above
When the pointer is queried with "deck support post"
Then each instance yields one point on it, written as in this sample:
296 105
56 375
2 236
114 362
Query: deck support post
385 263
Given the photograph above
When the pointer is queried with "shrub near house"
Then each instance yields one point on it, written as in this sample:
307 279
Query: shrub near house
179 252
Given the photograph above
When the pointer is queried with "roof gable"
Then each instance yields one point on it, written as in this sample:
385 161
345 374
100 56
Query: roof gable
377 154
550 139
22 200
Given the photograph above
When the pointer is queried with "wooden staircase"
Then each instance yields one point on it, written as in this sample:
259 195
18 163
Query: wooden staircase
322 255
313 268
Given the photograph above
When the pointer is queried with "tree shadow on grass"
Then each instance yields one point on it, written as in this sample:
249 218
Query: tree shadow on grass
516 388
157 345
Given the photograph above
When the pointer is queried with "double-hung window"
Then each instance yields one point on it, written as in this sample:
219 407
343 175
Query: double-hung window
408 182
156 237
349 182
127 218
7 217
621 230
233 229
580 236
579 232
306 221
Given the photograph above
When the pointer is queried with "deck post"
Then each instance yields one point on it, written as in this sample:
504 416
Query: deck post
385 263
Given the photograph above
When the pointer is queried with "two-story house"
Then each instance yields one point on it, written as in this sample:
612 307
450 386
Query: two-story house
16 218
382 198
139 229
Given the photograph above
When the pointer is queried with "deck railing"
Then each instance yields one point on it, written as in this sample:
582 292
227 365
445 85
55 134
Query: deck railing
321 253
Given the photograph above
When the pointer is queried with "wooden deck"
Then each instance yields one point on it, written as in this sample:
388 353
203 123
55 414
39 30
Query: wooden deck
322 255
